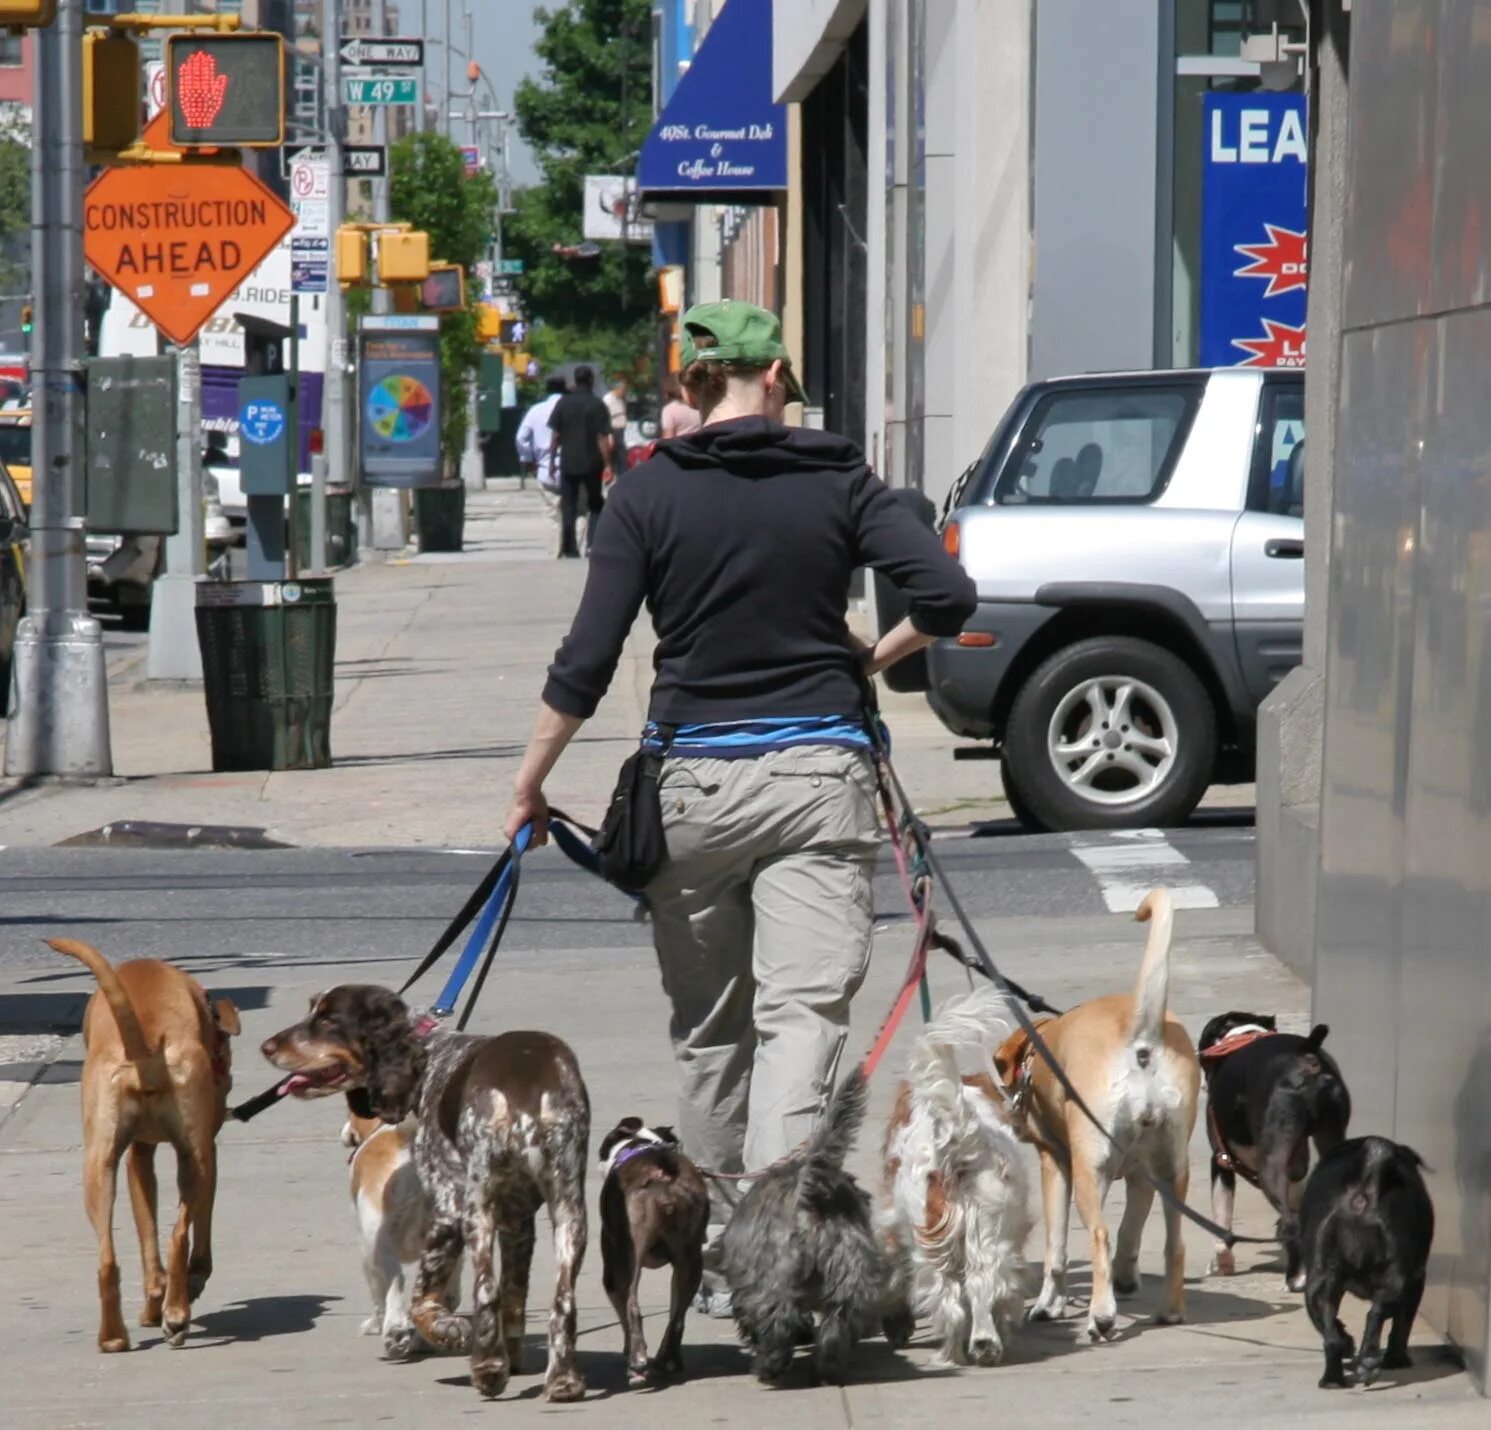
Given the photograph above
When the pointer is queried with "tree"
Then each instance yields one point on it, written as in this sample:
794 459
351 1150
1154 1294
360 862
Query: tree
429 187
588 113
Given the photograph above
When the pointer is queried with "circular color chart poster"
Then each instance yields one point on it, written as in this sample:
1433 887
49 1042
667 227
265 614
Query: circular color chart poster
399 408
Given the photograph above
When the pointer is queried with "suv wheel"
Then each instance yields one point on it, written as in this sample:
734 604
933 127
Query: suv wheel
1110 733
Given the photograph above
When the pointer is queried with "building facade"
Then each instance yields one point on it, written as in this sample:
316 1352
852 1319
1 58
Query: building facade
997 193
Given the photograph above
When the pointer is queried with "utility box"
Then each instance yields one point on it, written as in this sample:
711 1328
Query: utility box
130 455
489 393
403 257
266 425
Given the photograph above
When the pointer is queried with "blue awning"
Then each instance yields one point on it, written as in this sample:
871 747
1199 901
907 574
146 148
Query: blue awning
721 135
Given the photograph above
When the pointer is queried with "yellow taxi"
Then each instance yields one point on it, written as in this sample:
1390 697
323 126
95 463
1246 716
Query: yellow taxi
15 448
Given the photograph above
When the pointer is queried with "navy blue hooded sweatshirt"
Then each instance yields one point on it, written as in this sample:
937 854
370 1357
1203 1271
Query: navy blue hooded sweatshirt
742 537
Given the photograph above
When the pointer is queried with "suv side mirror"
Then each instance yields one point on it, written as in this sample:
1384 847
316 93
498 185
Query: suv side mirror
12 529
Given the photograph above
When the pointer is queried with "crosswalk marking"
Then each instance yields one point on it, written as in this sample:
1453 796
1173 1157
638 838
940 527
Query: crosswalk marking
1126 871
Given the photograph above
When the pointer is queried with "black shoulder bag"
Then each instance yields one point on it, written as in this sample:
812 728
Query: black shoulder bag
631 846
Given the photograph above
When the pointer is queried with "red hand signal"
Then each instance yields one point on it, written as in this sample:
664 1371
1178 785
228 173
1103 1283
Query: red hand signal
201 89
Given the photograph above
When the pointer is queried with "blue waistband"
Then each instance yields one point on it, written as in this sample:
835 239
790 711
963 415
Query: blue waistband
744 739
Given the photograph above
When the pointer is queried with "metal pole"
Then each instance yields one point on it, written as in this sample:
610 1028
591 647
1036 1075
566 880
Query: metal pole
292 543
59 703
445 98
174 653
337 466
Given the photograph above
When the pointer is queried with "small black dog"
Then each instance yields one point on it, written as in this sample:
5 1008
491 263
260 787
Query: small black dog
800 1246
1365 1227
1268 1096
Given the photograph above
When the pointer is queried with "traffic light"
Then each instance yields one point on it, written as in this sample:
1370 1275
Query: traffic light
227 90
26 315
351 257
27 14
444 291
514 332
111 90
403 257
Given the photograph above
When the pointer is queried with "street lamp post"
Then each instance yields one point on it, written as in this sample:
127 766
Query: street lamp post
59 705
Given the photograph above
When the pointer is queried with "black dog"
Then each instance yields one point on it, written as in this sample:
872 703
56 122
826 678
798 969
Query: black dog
1365 1227
1268 1095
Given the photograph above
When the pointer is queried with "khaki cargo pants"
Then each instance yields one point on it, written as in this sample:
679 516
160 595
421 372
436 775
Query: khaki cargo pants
762 923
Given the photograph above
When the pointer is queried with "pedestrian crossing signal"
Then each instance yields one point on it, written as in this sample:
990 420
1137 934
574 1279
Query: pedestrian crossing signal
26 324
226 91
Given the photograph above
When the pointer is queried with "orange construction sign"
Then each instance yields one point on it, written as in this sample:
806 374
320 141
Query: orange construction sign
178 239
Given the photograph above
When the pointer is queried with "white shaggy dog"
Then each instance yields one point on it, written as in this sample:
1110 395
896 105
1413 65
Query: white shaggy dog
953 1215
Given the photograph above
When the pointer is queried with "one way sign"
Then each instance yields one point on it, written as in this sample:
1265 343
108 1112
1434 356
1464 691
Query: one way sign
403 53
365 161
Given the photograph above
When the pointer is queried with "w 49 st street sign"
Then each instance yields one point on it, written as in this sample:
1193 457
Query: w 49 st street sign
400 54
381 89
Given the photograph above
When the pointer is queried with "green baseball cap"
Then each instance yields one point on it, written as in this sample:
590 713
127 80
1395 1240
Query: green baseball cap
742 333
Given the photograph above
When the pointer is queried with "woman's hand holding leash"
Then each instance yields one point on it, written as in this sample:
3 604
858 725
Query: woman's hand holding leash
551 733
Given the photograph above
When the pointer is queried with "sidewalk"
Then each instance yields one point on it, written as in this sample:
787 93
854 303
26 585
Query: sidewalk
275 1338
440 661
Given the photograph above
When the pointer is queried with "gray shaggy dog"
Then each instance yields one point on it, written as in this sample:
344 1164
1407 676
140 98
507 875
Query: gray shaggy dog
800 1253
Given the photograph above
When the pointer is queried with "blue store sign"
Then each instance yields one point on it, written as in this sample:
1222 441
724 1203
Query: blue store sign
721 131
1254 202
261 422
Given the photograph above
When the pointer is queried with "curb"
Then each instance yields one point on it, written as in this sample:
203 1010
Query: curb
151 834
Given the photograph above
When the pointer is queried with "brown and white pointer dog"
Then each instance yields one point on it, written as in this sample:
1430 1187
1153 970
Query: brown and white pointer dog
654 1212
503 1124
156 1070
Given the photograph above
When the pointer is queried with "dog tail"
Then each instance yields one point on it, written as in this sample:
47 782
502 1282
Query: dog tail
823 1158
1318 1034
147 1063
1384 1164
1152 992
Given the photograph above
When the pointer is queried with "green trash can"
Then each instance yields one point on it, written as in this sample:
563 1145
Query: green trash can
440 516
341 538
268 655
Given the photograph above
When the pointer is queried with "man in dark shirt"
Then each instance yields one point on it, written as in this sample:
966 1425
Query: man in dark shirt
580 444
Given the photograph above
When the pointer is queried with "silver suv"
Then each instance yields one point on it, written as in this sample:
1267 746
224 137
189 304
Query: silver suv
1137 541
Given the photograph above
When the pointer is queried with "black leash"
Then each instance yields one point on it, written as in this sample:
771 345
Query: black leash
502 877
1014 994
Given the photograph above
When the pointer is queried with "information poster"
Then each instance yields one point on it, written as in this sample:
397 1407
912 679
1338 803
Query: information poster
399 401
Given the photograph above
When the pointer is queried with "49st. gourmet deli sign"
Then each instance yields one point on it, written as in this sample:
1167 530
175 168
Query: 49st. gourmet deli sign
178 240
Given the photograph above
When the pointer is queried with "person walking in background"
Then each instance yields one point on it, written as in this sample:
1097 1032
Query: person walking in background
742 538
536 453
615 401
580 445
678 417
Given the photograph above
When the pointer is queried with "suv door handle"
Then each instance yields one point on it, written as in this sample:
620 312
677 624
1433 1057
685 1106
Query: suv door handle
1284 549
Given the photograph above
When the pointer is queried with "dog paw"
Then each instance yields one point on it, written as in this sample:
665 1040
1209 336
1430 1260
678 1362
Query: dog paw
196 1279
176 1332
150 1314
986 1351
564 1386
1397 1360
1224 1263
1175 1316
665 1368
490 1379
1295 1282
898 1327
1101 1328
1052 1310
373 1326
1366 1371
450 1335
514 1346
399 1342
112 1345
1126 1285
1331 1380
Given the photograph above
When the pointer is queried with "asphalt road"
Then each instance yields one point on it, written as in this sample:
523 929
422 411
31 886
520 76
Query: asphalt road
270 917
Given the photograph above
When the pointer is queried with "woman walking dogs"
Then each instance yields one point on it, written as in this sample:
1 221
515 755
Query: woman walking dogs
742 537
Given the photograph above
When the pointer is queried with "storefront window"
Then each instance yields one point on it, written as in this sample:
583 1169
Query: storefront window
1216 29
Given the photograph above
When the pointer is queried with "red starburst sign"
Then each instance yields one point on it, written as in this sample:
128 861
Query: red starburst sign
1281 346
1282 260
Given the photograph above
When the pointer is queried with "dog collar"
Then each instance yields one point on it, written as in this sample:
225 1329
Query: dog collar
1235 1041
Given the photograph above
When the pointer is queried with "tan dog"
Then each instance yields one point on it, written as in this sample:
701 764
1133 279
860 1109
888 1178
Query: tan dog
156 1070
393 1215
1135 1067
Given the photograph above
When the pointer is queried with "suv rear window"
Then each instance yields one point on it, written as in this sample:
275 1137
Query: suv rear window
1095 445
